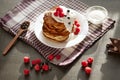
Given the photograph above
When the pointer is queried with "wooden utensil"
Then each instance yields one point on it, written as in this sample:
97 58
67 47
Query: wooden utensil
23 28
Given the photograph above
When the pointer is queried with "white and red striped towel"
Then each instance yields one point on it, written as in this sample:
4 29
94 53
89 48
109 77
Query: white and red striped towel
29 10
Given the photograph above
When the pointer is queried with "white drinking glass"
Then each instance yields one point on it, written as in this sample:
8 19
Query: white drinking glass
96 14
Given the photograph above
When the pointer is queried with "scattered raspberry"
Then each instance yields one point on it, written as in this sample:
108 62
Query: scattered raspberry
84 63
45 67
34 62
37 67
61 14
26 59
51 57
88 70
26 72
90 60
59 9
58 57
38 61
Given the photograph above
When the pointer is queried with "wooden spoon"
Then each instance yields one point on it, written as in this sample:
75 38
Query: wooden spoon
23 28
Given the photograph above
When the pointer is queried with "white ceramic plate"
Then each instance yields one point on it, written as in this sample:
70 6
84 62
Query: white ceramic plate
71 41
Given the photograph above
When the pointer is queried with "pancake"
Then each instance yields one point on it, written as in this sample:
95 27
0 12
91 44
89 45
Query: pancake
53 29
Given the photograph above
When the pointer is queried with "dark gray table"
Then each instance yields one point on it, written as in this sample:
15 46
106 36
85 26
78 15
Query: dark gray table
105 67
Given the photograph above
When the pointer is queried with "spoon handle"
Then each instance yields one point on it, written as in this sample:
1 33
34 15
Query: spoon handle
12 41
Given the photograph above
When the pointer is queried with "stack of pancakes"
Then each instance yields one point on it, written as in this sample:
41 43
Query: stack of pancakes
53 29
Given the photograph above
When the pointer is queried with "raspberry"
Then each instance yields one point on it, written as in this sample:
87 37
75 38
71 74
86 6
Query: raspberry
38 61
58 57
77 30
88 70
75 22
37 67
26 59
84 63
26 72
59 9
34 62
45 67
61 14
78 25
56 13
51 57
90 60
75 33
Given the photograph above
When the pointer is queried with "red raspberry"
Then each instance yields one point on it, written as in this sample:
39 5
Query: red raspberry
58 57
26 72
90 60
61 14
37 67
45 67
51 57
84 63
75 22
78 25
38 61
76 33
77 30
88 70
56 13
26 59
59 9
34 62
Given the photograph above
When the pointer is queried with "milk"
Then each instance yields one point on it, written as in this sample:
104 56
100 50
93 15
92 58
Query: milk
96 14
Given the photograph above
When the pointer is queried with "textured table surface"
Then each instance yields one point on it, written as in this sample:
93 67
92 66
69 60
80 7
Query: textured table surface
105 67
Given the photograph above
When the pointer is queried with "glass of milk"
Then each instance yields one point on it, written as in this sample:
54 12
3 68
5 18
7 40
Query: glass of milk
96 14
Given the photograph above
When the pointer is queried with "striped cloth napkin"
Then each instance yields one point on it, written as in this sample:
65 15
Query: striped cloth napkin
29 10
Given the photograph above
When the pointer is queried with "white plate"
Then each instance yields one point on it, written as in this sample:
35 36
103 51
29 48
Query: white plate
71 41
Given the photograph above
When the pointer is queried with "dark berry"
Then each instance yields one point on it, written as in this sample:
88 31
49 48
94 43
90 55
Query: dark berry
69 23
68 11
65 15
68 17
